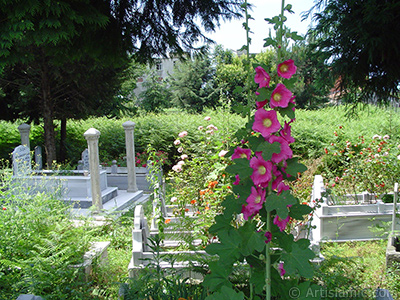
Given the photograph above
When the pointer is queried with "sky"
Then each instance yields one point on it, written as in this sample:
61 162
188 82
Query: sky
232 35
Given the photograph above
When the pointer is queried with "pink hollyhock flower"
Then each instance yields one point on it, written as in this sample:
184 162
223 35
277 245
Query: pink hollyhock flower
281 223
285 153
207 118
183 134
282 271
212 127
262 77
282 187
286 133
278 178
280 97
241 153
261 104
237 179
268 235
177 142
266 122
287 69
261 171
254 202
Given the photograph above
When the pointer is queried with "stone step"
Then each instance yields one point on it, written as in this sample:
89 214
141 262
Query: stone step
81 202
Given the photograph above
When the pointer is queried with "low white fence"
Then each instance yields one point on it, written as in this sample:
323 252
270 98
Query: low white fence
351 221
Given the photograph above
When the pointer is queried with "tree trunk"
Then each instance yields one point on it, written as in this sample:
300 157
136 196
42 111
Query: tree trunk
48 109
63 136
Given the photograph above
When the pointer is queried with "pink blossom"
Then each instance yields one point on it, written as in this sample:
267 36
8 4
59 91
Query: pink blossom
282 271
266 122
287 69
177 168
207 118
241 153
174 199
280 96
180 149
184 156
222 153
180 163
262 77
209 131
177 142
261 171
285 152
254 202
261 104
237 179
200 128
268 235
212 127
286 133
281 223
183 134
282 187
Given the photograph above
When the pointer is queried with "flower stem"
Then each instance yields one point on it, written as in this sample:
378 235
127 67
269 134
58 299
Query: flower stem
268 261
280 32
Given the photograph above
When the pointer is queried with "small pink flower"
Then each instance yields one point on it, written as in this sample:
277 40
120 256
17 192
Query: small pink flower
177 168
281 223
282 271
262 77
261 171
241 153
180 149
222 153
177 142
174 199
210 132
268 235
287 69
254 202
180 163
266 122
286 133
212 127
280 96
282 187
183 134
200 128
237 179
285 152
207 118
184 156
261 104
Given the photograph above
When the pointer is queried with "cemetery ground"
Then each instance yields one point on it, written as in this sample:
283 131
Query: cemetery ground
39 243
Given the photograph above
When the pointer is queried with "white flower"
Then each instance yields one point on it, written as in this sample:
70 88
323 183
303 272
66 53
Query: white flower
174 199
200 128
180 149
376 136
398 157
183 134
184 156
207 118
212 127
386 137
209 132
222 153
386 153
177 142
376 155
177 168
180 163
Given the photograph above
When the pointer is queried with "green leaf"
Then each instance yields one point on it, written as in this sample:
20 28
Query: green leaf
269 149
221 224
298 261
243 189
258 279
294 167
218 277
232 206
238 90
270 42
226 293
309 291
289 8
296 37
280 203
298 211
240 166
284 240
228 247
251 239
264 94
287 111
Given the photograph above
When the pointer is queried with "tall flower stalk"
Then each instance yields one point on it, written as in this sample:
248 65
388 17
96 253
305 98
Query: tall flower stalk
254 227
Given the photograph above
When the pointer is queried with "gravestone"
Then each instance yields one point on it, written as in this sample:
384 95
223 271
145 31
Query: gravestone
85 159
38 158
21 158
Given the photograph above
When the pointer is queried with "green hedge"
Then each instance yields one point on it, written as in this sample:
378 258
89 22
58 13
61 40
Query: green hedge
313 130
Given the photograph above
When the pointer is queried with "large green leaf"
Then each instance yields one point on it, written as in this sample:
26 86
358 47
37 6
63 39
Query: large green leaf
269 149
251 239
294 167
298 211
228 247
280 203
240 166
226 294
297 262
218 277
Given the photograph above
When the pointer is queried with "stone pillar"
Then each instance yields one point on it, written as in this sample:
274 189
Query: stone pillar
92 136
24 130
129 127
